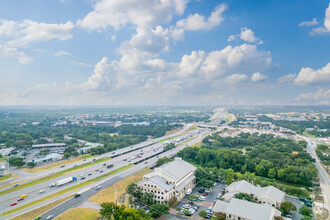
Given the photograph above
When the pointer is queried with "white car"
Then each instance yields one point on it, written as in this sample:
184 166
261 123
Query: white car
202 198
49 217
42 191
97 187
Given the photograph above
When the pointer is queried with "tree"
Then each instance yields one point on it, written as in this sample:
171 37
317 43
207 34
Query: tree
206 183
287 207
186 212
31 164
147 198
202 214
133 190
272 173
110 210
192 198
67 155
158 209
244 196
169 146
306 211
220 216
16 161
163 160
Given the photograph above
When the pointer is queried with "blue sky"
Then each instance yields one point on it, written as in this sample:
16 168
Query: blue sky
164 52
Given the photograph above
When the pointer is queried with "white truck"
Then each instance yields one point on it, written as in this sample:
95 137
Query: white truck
66 180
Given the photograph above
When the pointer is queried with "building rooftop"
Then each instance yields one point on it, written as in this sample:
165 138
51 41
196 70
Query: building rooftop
176 169
49 145
48 157
160 181
247 210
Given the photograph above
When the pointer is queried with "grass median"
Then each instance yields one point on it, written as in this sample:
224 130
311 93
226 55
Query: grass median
9 176
57 164
55 175
72 188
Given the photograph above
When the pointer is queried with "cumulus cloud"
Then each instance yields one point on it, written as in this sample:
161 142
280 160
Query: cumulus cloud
61 53
321 96
309 23
143 13
246 35
286 78
256 77
243 58
14 35
191 63
326 27
30 31
236 78
308 76
198 22
7 51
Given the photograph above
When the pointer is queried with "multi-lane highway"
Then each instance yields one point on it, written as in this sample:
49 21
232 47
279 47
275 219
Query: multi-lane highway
121 158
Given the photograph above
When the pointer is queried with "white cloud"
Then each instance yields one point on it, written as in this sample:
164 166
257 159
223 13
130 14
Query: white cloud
143 13
22 58
248 36
308 23
256 77
286 78
198 22
326 27
101 79
231 38
61 53
31 31
243 58
236 78
320 96
190 64
308 76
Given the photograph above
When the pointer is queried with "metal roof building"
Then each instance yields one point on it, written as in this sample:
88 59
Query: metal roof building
49 145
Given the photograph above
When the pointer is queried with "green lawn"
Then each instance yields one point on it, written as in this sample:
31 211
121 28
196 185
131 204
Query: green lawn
55 175
72 188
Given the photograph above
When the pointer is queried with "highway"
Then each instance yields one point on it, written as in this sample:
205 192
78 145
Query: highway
75 202
150 149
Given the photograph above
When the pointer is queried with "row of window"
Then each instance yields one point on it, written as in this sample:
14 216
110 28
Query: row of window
148 190
150 185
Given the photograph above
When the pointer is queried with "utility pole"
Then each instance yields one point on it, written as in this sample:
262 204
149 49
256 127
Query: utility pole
116 195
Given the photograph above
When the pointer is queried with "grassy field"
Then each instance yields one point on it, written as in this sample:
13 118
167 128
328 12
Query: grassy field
36 212
166 139
79 214
199 144
308 134
172 131
55 175
56 164
72 188
108 194
194 127
2 159
11 175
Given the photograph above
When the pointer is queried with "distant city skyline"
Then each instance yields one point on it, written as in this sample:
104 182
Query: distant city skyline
164 52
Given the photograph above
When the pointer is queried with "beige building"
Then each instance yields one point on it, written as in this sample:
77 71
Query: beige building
267 195
170 180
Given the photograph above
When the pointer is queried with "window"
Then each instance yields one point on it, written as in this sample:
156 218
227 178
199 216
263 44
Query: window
162 192
162 197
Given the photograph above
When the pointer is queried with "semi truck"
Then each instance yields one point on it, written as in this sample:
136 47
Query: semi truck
66 180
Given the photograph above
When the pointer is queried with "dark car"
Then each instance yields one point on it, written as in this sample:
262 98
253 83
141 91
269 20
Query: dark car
20 199
15 185
201 190
104 164
77 195
208 217
110 165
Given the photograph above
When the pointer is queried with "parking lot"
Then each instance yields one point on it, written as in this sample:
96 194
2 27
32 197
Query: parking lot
203 205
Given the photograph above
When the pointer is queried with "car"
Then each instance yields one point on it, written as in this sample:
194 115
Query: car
196 207
62 166
42 191
204 194
113 152
84 159
97 187
189 191
37 218
214 184
125 159
101 171
207 191
202 198
25 195
208 217
201 190
129 161
51 173
15 203
109 165
52 184
77 195
97 170
15 185
146 162
104 164
20 199
210 208
49 217
83 178
186 206
75 165
89 174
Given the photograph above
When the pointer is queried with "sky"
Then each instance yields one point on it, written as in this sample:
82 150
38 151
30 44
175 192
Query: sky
164 52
